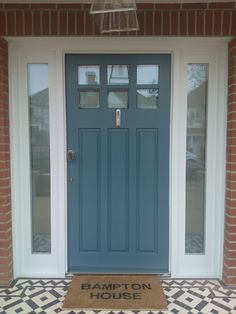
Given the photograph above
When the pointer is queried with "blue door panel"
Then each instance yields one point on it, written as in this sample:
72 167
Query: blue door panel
89 190
147 192
118 190
118 198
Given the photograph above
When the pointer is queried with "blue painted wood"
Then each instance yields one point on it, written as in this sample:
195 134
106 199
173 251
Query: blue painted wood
147 190
118 190
89 190
118 201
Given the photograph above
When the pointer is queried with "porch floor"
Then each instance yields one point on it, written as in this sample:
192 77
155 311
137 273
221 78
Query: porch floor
184 296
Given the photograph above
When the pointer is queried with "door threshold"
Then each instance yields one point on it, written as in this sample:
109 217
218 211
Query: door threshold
162 275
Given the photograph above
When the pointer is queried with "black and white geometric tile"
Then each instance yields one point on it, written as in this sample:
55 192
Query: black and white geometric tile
46 296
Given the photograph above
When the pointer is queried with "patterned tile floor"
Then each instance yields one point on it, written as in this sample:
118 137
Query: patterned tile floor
184 296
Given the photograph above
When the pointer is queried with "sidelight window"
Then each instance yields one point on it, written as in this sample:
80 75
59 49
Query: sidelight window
38 98
197 84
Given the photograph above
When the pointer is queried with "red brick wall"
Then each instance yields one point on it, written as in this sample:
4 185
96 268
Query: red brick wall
230 212
5 189
202 19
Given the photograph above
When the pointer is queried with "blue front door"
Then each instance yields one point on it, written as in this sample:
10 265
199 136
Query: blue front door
118 118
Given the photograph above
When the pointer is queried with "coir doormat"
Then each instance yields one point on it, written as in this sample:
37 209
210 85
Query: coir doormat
115 292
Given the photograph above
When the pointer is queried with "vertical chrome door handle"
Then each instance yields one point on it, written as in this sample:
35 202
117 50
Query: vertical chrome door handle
118 118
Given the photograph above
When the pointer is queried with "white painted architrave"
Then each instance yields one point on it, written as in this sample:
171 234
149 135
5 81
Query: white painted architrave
209 264
27 263
52 51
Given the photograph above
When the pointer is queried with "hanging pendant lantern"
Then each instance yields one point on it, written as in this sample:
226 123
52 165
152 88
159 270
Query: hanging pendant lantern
115 16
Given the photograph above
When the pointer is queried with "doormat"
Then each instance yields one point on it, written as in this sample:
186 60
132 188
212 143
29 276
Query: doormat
115 292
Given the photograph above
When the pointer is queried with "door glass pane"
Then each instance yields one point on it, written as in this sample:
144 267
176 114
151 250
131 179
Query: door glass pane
118 99
197 81
147 98
89 99
38 94
117 74
88 75
148 74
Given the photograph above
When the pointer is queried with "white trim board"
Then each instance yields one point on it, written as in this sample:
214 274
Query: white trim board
26 263
209 264
52 51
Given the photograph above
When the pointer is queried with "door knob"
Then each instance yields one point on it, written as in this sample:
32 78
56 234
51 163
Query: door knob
71 155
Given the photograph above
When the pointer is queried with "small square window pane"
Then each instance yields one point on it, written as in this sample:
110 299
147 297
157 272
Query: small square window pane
117 74
148 74
147 98
118 99
88 99
88 74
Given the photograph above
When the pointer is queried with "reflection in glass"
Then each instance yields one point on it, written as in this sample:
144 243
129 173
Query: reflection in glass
88 74
195 158
118 99
148 74
147 98
117 74
88 99
38 96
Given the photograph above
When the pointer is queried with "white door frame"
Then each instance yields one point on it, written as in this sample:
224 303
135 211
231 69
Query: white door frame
52 51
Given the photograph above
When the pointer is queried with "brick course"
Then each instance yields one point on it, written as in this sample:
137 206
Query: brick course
229 274
176 19
181 19
5 191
